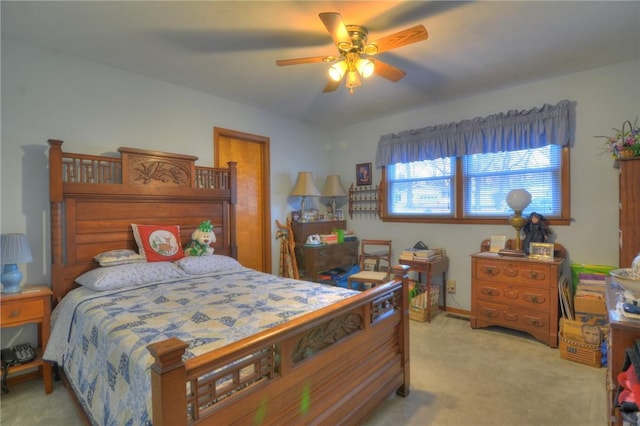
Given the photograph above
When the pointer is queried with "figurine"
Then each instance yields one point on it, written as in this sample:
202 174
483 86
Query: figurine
536 231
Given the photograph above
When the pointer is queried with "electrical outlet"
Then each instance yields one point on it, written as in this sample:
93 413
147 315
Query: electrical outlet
451 286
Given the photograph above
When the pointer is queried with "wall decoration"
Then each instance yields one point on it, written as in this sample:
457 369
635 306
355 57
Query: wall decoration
363 174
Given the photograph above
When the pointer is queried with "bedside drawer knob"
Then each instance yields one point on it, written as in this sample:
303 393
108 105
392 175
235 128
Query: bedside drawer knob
14 314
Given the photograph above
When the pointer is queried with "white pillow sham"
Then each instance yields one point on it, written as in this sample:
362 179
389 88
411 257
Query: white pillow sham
201 265
129 275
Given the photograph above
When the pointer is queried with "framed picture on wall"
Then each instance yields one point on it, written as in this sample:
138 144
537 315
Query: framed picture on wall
363 174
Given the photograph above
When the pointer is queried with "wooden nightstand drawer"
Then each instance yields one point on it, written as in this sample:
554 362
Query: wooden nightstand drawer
31 305
18 312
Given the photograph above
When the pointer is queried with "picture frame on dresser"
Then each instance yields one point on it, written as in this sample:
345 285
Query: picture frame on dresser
541 251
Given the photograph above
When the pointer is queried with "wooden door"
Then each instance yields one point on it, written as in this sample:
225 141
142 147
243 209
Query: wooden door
253 213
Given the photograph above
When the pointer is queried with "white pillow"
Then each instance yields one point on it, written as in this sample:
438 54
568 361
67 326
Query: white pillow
200 265
129 275
119 257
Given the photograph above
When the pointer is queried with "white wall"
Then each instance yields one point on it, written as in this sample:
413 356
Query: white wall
95 109
605 97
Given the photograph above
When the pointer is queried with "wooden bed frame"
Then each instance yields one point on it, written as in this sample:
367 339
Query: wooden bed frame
332 366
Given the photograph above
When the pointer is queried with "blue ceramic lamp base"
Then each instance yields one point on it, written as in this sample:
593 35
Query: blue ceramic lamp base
11 278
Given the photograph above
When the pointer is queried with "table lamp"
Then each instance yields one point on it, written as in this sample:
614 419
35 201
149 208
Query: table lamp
518 200
15 249
304 188
333 188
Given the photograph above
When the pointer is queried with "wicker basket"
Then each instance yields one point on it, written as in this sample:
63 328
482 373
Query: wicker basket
626 153
581 352
418 305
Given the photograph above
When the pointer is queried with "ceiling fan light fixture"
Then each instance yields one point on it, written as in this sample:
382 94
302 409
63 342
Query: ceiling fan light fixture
336 71
353 81
365 67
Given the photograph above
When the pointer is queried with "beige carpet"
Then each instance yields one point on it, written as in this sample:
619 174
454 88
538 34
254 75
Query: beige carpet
459 376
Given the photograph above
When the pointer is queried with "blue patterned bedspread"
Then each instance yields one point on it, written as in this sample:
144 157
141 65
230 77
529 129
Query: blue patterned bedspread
101 338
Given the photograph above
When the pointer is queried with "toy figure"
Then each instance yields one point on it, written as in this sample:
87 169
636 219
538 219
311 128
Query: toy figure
201 238
536 231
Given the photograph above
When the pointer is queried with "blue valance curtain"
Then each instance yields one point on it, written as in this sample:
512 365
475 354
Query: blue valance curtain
510 131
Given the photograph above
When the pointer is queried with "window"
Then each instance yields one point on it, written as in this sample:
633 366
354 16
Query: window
473 188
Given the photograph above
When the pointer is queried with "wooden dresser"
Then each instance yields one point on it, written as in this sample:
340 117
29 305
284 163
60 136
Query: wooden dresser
312 260
516 293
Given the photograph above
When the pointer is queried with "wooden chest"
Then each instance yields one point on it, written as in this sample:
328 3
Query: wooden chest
516 293
313 260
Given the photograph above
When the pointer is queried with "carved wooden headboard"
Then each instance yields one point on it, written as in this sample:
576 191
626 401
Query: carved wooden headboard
95 199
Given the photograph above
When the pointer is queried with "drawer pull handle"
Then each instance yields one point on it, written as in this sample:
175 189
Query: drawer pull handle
535 275
490 291
490 270
490 313
534 298
536 322
15 314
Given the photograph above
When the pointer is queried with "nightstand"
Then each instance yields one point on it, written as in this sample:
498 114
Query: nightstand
32 306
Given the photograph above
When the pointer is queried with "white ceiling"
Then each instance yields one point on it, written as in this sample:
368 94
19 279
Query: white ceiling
229 48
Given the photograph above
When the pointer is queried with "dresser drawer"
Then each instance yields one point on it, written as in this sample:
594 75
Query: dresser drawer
21 311
527 273
512 317
533 298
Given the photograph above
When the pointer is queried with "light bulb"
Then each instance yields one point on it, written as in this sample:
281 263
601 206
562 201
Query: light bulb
336 71
365 67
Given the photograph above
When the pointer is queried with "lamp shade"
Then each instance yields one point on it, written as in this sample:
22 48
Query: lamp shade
518 199
333 187
15 249
304 186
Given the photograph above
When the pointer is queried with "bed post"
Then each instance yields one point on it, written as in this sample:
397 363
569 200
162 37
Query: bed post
168 378
400 272
233 186
56 199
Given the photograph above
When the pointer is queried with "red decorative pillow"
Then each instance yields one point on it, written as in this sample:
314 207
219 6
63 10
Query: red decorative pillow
158 243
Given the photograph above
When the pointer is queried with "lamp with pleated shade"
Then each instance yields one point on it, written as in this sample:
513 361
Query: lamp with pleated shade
15 249
333 188
304 188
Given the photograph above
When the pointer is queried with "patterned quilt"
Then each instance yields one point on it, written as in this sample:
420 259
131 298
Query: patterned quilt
101 338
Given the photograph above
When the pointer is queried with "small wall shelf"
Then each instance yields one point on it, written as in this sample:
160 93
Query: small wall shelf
364 201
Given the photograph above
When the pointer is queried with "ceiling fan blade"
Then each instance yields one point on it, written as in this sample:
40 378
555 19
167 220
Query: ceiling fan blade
388 71
399 39
331 86
309 60
338 30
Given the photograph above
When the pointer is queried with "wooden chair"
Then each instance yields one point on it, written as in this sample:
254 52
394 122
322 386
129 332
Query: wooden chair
375 263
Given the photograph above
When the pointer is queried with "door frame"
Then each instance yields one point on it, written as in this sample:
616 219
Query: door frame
219 132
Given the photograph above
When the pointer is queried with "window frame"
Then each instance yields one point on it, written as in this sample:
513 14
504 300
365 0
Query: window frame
458 217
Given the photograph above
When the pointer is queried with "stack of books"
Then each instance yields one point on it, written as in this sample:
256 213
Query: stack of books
424 255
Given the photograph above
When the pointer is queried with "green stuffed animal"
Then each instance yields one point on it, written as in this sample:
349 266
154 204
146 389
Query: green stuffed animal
201 239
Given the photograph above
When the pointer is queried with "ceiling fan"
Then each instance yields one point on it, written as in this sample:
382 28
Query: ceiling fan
355 53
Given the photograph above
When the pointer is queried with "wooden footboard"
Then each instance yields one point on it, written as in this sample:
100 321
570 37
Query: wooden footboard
333 366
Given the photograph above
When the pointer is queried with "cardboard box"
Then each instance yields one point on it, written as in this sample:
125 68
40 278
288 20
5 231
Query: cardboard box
581 352
590 331
591 318
589 299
